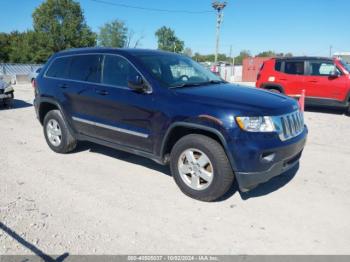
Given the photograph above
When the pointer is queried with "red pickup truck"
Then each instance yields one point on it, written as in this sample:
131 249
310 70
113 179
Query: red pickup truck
326 81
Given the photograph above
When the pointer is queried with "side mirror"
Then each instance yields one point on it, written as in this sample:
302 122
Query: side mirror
334 74
137 84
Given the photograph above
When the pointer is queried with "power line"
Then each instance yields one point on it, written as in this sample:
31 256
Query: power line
151 9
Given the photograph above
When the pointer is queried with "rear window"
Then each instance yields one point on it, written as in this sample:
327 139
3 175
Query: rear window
86 68
278 65
59 68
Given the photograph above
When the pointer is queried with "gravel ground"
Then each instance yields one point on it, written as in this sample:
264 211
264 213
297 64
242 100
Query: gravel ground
101 201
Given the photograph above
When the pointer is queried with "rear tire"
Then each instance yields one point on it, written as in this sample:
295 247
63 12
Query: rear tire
207 174
57 134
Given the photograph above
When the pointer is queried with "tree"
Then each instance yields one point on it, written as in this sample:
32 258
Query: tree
117 34
22 47
188 52
60 24
132 41
273 54
5 47
267 54
243 54
113 34
168 41
211 58
288 55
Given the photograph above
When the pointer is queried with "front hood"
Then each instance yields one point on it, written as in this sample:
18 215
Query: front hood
245 99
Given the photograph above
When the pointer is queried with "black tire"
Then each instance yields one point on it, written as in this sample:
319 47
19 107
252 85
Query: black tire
275 90
223 176
68 142
8 102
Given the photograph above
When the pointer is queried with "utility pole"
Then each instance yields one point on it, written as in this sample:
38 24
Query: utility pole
219 7
231 55
330 51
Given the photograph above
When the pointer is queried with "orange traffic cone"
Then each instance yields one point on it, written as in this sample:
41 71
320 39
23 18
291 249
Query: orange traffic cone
302 100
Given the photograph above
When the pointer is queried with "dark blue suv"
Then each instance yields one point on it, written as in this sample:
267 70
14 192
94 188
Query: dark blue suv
168 108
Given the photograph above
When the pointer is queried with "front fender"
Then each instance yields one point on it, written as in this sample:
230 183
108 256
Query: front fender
219 132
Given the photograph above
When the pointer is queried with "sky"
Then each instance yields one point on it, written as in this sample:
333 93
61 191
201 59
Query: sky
303 27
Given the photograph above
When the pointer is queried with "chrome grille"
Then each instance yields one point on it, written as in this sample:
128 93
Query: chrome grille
290 125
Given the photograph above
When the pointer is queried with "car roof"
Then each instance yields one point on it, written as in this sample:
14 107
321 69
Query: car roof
304 58
130 51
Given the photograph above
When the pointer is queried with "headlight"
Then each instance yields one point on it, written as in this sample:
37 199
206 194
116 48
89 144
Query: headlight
256 123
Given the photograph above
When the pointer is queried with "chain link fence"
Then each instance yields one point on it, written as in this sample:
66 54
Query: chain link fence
18 69
10 72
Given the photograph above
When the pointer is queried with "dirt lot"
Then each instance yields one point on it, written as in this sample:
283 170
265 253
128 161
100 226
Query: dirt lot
99 200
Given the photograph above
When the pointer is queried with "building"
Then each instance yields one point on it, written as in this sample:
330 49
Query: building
345 56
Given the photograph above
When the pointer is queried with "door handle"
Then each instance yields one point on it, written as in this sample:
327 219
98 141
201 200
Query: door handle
63 86
313 81
102 92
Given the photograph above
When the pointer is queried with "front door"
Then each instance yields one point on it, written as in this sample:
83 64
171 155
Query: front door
321 82
118 114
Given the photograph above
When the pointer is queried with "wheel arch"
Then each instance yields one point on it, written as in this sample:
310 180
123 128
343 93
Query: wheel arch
347 99
268 86
178 130
44 108
45 105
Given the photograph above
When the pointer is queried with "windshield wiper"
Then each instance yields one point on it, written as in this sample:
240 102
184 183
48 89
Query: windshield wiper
187 85
211 82
217 82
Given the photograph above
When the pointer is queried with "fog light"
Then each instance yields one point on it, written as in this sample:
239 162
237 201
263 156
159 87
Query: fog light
268 157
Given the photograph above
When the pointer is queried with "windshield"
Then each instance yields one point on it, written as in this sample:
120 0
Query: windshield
174 70
345 65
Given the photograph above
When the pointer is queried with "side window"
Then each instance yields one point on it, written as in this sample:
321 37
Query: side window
86 68
322 68
117 71
59 68
294 67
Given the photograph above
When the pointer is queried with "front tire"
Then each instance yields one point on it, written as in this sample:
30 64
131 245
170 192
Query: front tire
200 168
57 134
8 102
274 90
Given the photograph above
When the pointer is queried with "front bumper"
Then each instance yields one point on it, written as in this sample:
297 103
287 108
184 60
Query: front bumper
6 93
286 158
6 96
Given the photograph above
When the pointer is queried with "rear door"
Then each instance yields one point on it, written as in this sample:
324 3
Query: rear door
321 82
292 77
83 75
